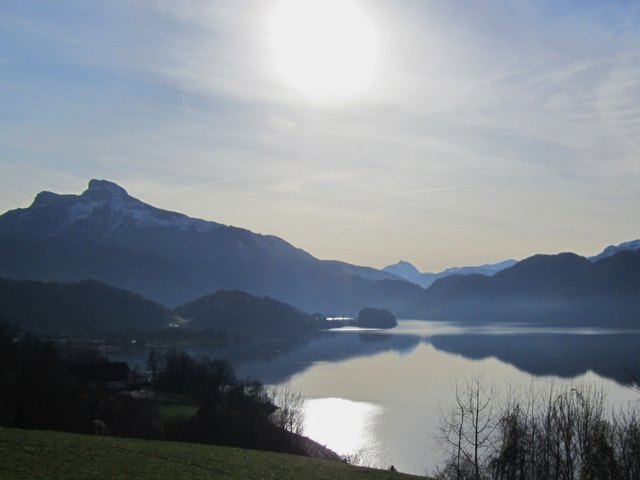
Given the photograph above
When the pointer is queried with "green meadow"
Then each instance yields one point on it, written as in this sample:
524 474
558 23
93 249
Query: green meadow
42 455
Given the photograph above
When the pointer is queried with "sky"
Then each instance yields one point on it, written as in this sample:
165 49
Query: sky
442 133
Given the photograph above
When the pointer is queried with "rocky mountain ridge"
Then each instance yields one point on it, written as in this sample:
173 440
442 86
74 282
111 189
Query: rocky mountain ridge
107 235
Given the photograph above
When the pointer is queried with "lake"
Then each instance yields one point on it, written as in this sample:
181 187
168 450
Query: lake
376 396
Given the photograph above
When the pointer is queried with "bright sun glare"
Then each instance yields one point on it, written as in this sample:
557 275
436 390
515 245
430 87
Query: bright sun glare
325 48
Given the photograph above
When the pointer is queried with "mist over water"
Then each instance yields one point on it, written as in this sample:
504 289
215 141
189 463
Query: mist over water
377 396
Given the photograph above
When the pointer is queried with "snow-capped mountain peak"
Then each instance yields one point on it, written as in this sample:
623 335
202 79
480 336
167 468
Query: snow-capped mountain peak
106 190
411 273
613 249
403 269
115 207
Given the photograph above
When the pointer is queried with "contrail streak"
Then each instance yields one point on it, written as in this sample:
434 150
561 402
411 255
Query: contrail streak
209 184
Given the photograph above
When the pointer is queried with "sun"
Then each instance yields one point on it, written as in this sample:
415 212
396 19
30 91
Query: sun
325 48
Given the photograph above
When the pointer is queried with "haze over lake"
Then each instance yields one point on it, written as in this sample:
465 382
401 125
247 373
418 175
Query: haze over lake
377 395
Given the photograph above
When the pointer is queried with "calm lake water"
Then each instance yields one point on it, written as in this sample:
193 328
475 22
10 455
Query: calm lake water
377 395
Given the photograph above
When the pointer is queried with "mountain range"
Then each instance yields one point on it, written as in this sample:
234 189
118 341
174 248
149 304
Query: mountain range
560 289
612 250
106 235
239 312
77 307
91 307
410 273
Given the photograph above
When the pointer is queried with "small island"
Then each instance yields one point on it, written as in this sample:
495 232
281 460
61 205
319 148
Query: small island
375 318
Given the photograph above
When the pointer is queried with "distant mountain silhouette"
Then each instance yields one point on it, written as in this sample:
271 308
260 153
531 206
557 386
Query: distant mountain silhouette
523 279
92 307
539 271
71 308
410 273
402 269
564 288
107 235
633 245
239 312
617 276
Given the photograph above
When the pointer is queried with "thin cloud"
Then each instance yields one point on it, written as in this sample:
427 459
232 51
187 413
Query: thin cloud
210 184
513 100
423 190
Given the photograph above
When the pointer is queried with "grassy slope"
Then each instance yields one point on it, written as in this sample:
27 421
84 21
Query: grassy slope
29 454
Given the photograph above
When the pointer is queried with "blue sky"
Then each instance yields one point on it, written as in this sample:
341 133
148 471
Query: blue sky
487 130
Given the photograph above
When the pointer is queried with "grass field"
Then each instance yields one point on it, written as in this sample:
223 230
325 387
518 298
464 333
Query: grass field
32 454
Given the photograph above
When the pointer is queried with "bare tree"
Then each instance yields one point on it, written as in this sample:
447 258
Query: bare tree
453 424
627 443
515 456
290 412
633 375
467 429
562 435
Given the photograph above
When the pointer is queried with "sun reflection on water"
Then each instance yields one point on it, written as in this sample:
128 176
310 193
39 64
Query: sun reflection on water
343 425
